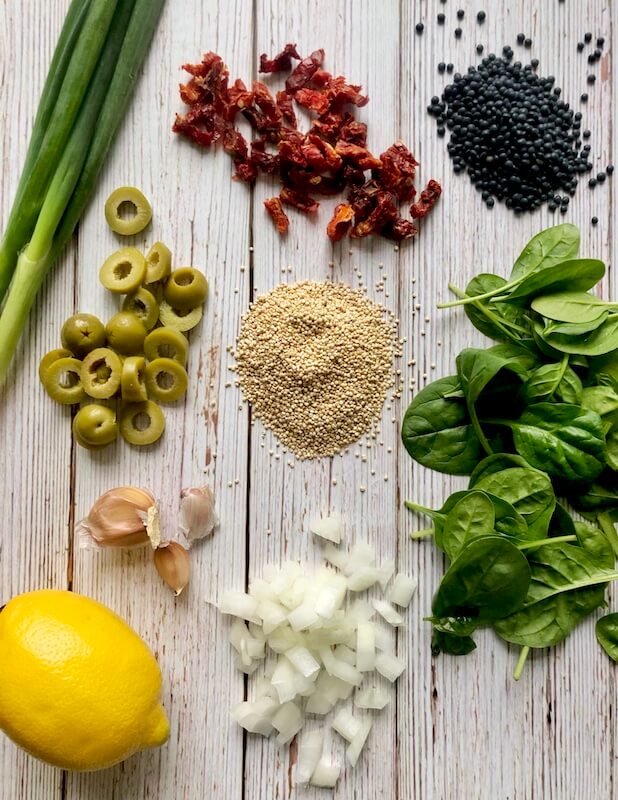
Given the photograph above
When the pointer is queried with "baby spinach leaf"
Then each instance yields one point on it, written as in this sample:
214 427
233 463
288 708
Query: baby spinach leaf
450 644
471 517
561 522
544 381
607 634
596 544
437 431
563 440
528 490
476 368
577 275
602 399
570 306
567 585
488 580
549 247
570 388
602 495
605 365
500 321
602 340
496 463
574 328
457 626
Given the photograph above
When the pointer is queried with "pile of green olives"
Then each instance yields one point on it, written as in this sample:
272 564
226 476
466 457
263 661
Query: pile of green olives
118 372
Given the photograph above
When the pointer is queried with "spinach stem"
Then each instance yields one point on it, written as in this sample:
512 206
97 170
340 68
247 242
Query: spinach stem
607 526
542 542
519 667
466 299
503 324
416 507
423 534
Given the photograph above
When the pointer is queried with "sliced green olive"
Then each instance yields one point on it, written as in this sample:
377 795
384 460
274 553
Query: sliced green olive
179 320
158 263
141 423
82 333
142 303
126 333
166 380
127 211
186 288
95 426
62 381
49 358
101 370
124 271
166 343
132 385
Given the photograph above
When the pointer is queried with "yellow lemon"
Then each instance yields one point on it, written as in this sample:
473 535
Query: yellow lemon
78 688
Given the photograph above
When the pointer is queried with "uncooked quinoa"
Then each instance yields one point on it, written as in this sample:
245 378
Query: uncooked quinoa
315 360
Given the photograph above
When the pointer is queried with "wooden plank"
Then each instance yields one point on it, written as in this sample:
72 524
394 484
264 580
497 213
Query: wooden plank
35 456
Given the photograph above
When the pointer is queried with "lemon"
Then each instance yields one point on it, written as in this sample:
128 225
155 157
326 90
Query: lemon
78 688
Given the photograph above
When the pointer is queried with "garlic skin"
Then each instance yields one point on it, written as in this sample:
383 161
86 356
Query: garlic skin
197 513
171 560
115 520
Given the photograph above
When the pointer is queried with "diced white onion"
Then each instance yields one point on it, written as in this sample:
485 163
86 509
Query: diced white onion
374 697
358 742
272 613
361 555
239 604
327 528
363 578
387 570
304 662
335 556
390 666
346 724
256 716
326 774
402 590
304 616
387 612
344 653
284 680
309 754
365 647
288 720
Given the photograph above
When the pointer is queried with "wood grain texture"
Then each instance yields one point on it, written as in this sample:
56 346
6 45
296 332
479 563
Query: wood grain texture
456 728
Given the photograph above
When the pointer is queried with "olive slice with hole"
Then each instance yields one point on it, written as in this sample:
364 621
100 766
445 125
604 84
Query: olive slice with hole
127 211
50 357
166 380
179 319
186 288
124 271
62 381
101 370
126 333
158 263
132 383
166 343
82 333
141 423
143 304
95 426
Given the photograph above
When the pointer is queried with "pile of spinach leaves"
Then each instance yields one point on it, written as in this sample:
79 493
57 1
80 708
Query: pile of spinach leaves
531 419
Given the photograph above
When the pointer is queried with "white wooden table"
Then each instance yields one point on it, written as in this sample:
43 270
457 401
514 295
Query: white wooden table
460 729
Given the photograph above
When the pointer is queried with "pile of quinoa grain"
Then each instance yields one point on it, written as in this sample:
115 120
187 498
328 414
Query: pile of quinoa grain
315 360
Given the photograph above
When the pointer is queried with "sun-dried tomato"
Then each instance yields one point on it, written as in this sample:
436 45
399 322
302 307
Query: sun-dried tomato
304 71
330 158
282 62
427 200
340 223
357 155
303 202
285 105
399 230
278 215
398 171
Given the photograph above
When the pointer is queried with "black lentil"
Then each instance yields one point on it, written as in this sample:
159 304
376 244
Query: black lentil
441 19
580 46
601 177
521 38
420 27
600 41
479 49
610 169
442 68
591 78
512 134
591 58
528 42
592 183
458 33
587 38
597 54
482 16
450 68
595 220
460 13
584 98
586 134
534 63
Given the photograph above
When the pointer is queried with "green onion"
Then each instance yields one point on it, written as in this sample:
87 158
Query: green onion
48 206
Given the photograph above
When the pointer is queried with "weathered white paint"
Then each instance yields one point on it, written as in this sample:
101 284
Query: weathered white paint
459 728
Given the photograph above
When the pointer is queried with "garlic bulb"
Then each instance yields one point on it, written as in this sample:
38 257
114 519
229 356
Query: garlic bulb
122 517
172 562
197 513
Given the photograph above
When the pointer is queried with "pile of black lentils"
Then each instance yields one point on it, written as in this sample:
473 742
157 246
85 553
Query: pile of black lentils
519 142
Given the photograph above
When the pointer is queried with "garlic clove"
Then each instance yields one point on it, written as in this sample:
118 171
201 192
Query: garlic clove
197 513
172 562
115 520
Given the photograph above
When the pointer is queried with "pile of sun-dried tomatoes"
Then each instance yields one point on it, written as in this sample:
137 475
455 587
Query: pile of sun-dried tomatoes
326 160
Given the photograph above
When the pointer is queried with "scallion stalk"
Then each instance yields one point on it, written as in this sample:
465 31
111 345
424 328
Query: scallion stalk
80 160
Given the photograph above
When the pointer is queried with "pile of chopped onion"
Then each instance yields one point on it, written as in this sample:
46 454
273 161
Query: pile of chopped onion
324 647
